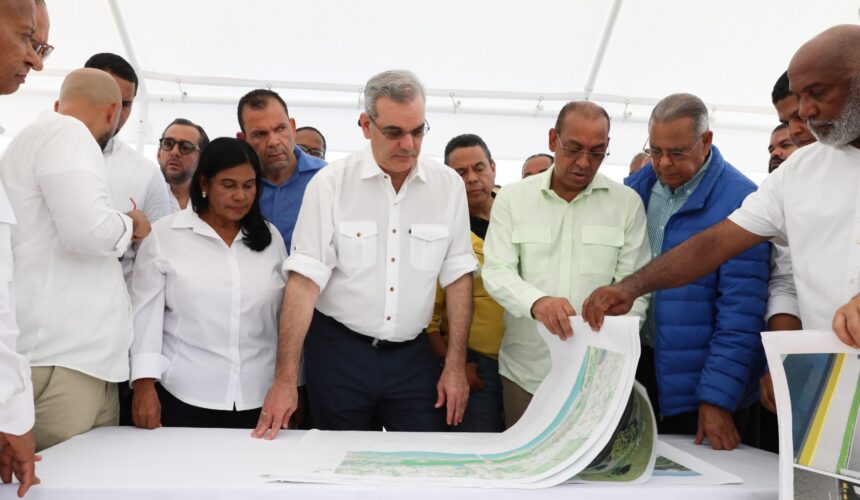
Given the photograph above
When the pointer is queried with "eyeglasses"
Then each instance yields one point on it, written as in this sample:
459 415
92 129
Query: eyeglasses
43 50
185 147
673 154
590 155
396 133
319 153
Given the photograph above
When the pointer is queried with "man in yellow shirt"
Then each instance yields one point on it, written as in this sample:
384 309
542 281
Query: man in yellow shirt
470 157
553 238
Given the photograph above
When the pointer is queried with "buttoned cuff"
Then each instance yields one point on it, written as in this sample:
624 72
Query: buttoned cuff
17 415
147 365
781 304
457 266
124 240
308 267
529 297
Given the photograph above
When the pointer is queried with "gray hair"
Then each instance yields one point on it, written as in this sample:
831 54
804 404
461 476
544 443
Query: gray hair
398 85
678 106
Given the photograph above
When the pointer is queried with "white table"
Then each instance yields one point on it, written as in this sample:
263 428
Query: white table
128 464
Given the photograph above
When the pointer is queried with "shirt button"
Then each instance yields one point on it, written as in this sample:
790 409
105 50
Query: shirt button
394 231
388 318
358 235
392 259
392 289
385 177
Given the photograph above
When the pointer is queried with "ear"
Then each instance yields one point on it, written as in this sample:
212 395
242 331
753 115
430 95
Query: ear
293 125
203 183
707 140
56 106
493 166
553 139
112 115
364 123
241 136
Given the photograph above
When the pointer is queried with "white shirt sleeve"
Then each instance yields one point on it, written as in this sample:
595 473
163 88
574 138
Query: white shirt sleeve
157 199
781 291
460 258
70 173
16 389
762 212
313 254
147 300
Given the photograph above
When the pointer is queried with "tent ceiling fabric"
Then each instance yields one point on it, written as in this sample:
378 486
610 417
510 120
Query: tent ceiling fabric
510 65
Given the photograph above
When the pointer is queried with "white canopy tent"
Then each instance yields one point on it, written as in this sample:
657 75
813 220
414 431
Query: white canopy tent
501 69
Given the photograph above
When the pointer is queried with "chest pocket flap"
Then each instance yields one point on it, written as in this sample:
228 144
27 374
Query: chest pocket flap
534 241
357 243
600 248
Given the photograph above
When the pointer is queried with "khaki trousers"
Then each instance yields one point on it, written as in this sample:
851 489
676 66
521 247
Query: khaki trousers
69 403
515 400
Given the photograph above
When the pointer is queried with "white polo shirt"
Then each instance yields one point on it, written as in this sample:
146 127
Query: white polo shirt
376 254
811 202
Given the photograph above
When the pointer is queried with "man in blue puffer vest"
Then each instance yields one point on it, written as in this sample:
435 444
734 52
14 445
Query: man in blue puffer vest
701 349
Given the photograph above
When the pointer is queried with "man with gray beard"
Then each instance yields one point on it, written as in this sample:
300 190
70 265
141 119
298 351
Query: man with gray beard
824 75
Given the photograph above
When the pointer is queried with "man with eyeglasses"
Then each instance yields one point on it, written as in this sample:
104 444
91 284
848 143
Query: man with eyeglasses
134 181
17 55
311 141
553 238
701 352
265 124
178 153
376 231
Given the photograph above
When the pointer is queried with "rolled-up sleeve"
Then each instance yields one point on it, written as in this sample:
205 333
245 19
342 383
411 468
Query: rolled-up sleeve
148 300
501 263
312 253
781 290
460 258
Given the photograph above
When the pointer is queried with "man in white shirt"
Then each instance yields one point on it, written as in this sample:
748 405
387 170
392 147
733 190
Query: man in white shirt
71 304
374 233
824 75
134 181
17 442
178 153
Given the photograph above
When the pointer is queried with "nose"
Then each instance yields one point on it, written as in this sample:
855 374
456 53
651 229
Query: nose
32 58
470 176
406 142
806 108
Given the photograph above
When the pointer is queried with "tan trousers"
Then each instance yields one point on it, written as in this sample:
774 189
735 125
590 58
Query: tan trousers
515 400
69 403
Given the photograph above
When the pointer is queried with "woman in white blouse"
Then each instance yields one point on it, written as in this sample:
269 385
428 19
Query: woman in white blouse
206 294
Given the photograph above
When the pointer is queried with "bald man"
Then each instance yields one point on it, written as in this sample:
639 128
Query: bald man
552 239
17 57
72 307
824 74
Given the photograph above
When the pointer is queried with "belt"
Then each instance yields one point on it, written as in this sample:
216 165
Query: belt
379 343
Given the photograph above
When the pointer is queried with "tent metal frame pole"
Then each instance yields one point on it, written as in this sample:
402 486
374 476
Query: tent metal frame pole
601 49
119 19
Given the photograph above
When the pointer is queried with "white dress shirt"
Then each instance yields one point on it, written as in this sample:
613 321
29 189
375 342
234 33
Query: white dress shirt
375 253
174 203
71 302
206 314
781 292
812 202
133 177
16 389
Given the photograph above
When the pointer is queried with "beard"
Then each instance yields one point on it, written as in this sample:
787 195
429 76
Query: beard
846 127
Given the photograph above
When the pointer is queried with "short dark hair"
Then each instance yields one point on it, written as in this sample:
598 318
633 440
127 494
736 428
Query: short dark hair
315 130
258 99
204 139
588 108
115 65
536 155
221 154
466 141
780 89
779 127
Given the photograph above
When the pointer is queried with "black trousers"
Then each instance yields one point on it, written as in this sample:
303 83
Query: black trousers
352 385
175 413
682 423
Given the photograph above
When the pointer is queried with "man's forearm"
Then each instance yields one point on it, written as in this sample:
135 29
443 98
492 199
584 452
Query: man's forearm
297 310
458 301
691 260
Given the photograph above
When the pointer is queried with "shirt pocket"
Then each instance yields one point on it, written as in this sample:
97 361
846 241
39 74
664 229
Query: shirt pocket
600 248
428 244
356 244
534 241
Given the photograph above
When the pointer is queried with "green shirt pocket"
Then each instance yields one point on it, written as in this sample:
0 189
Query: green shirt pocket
534 241
599 249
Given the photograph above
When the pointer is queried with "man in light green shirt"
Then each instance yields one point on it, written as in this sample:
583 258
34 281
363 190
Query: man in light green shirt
553 238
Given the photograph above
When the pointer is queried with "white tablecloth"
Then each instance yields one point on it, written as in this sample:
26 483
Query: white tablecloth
128 464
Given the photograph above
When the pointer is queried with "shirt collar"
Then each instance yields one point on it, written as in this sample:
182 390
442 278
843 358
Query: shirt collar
370 168
598 182
189 219
108 150
306 162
